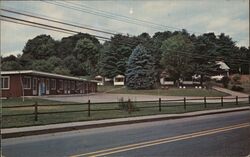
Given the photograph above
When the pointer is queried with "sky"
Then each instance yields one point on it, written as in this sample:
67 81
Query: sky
196 16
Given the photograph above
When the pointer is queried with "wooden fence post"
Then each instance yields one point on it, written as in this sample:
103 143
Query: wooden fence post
249 99
36 111
205 102
159 104
88 108
221 101
185 105
129 106
236 100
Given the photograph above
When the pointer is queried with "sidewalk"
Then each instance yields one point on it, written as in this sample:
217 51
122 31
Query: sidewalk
230 92
53 128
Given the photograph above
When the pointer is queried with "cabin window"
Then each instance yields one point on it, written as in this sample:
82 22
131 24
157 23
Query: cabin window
60 85
119 79
53 84
26 83
5 82
167 79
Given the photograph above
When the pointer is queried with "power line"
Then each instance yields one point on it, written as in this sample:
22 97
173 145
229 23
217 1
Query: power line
96 13
54 27
110 15
22 23
126 17
60 22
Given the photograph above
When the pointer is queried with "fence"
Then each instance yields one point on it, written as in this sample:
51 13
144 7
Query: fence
121 108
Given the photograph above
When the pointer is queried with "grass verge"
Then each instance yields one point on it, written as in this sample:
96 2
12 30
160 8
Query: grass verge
101 111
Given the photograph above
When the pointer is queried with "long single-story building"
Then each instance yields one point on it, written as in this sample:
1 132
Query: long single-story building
36 83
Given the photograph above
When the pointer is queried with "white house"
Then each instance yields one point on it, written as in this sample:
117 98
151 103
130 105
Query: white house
165 80
223 70
119 80
223 67
100 80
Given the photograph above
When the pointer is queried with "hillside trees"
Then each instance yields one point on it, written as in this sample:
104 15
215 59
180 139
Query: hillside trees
140 72
40 47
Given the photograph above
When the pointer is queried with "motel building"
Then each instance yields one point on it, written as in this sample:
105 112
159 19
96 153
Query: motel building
36 83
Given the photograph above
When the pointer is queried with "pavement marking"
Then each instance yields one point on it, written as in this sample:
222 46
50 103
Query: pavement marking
161 141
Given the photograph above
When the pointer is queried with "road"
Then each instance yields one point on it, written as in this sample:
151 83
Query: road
225 134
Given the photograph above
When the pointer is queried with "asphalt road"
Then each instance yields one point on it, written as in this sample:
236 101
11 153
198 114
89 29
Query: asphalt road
212 135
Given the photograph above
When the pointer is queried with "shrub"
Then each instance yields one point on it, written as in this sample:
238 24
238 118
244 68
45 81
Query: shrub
225 81
128 106
237 88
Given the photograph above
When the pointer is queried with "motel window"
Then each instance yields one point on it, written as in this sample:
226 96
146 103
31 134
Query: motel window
72 85
5 82
53 84
34 83
65 85
79 85
68 85
26 83
60 85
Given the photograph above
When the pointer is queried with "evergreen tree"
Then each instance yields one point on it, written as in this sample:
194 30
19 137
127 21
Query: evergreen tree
108 65
140 73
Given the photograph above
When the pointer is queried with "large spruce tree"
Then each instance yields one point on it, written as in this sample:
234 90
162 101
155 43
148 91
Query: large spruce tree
140 72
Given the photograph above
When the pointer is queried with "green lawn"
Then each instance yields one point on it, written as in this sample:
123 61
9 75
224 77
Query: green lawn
28 101
163 92
143 108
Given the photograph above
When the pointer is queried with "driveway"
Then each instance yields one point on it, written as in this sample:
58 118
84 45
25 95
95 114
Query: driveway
107 97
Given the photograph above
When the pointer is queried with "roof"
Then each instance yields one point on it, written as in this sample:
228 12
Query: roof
98 76
33 72
119 76
223 65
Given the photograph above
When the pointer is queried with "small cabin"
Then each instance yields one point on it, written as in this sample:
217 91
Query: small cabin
165 80
119 80
100 80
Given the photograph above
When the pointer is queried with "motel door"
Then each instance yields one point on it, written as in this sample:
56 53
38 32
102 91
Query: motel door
65 87
41 87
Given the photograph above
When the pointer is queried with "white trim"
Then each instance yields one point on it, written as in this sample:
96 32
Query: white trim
43 74
34 91
27 77
8 77
47 86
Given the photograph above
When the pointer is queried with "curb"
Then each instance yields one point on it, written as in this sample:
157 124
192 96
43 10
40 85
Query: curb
89 126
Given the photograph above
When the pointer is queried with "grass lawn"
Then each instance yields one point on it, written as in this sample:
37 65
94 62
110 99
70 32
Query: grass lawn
163 92
98 111
28 101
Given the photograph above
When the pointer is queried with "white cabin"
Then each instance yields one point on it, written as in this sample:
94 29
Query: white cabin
100 80
119 80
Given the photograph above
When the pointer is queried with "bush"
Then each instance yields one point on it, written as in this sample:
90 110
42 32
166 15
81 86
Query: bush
237 88
128 106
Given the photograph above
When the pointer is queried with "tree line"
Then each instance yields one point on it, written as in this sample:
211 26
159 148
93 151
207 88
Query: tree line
179 53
